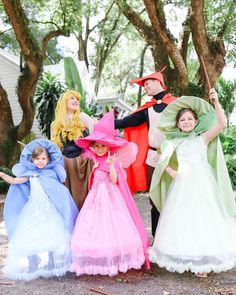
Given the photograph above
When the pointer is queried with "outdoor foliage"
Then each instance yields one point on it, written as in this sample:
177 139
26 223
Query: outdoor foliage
72 78
111 36
3 184
228 140
48 91
25 18
227 95
91 110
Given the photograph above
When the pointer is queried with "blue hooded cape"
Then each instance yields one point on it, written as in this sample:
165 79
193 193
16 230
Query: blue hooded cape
50 177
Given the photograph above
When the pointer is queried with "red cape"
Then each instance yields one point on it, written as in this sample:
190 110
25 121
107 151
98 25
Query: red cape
136 173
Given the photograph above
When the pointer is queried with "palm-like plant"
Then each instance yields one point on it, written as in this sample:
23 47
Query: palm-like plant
73 80
48 91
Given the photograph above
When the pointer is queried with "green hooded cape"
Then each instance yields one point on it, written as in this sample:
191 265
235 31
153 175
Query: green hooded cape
206 115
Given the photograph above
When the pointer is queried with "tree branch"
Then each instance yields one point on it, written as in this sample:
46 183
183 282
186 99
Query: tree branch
144 30
45 23
5 109
198 28
51 35
104 19
31 71
167 40
226 23
185 38
213 52
20 24
3 32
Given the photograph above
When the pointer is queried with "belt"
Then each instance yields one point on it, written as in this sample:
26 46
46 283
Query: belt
157 149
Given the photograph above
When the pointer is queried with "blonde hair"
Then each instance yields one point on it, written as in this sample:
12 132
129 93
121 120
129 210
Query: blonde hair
61 127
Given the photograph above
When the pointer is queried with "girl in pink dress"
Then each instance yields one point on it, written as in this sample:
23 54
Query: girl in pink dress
109 235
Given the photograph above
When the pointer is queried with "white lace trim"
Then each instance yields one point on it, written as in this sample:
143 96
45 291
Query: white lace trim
34 275
176 264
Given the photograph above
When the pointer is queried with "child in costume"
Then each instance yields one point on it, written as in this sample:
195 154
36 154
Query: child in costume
109 235
197 228
39 214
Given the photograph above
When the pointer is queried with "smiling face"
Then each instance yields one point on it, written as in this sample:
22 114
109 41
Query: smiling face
41 160
152 87
72 104
100 149
187 120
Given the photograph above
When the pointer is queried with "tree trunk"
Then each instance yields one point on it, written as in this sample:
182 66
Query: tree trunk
212 52
107 41
82 52
6 126
33 54
161 44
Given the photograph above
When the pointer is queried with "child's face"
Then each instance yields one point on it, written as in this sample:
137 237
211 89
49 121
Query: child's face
100 149
187 122
41 160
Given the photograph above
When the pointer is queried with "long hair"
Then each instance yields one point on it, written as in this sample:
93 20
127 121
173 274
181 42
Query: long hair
61 127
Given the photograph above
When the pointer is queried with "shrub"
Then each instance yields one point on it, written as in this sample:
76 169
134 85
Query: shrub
228 140
48 91
231 165
4 185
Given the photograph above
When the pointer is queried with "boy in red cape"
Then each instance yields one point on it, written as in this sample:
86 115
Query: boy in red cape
141 128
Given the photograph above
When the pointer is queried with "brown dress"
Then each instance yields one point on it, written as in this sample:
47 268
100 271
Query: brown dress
78 170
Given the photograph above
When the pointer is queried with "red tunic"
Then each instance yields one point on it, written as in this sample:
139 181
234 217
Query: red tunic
136 173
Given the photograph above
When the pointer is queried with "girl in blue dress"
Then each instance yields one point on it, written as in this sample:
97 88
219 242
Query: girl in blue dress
39 214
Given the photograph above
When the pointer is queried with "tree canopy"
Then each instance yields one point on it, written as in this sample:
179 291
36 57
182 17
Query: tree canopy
118 40
198 29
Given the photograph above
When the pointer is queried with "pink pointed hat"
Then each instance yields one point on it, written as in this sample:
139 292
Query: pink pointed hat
155 76
103 133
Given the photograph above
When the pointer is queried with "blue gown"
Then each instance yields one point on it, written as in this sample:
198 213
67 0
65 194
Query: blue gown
39 217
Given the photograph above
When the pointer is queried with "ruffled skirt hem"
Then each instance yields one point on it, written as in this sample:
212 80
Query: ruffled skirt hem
34 275
105 270
195 267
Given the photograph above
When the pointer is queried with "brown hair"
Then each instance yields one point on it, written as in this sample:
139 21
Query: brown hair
38 151
183 111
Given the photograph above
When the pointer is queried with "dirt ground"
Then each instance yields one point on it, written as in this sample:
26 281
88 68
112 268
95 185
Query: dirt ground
154 282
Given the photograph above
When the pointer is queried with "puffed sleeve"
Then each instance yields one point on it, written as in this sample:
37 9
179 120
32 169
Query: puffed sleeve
88 121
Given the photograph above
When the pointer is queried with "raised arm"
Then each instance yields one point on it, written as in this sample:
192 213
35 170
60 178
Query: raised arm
12 180
88 121
112 170
133 120
221 121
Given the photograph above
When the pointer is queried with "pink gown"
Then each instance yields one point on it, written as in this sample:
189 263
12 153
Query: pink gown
109 235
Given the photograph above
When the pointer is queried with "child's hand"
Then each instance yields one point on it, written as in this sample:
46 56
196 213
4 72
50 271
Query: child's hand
1 174
111 159
173 173
213 96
